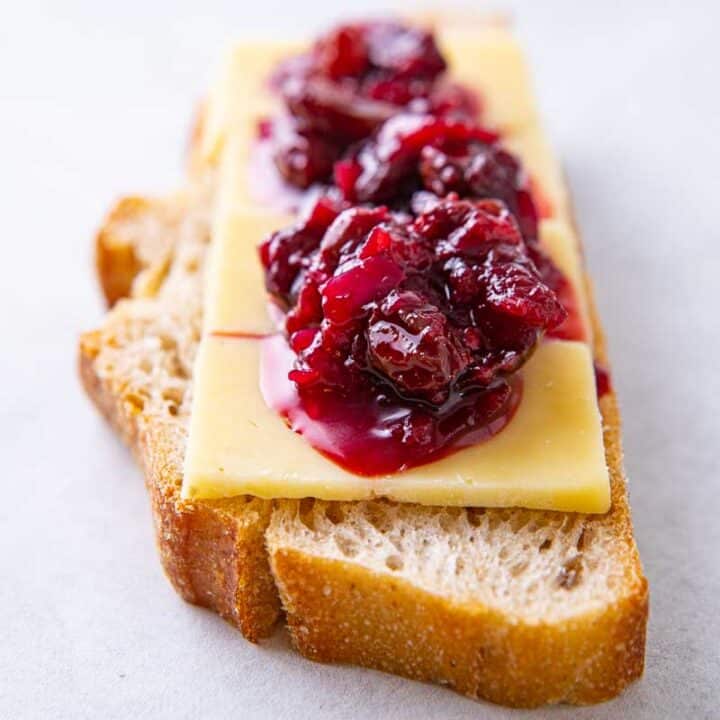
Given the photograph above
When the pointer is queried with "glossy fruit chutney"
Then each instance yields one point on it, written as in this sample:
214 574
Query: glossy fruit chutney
405 330
412 285
350 82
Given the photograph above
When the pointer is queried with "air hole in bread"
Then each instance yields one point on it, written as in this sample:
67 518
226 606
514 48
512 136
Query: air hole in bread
475 516
394 562
376 515
306 513
335 513
179 370
580 544
173 396
545 545
346 546
448 518
570 572
168 343
494 521
136 401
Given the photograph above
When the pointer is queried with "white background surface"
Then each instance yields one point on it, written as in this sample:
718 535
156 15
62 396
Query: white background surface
95 100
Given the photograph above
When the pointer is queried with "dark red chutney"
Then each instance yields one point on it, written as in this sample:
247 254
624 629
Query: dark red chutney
405 322
351 81
404 332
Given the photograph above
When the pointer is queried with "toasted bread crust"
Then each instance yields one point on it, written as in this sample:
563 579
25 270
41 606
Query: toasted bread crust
339 612
135 244
116 262
213 552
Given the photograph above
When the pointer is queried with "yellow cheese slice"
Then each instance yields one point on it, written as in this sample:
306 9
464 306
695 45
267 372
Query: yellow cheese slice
240 90
235 298
233 193
488 59
550 456
483 56
235 294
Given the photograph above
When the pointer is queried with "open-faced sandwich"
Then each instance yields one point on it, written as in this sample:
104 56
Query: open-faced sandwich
359 361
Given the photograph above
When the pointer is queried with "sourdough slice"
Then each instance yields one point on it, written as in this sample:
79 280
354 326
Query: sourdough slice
137 369
516 606
520 607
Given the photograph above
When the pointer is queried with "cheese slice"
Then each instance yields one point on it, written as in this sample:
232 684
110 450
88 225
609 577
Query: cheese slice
236 300
550 455
484 57
240 91
487 59
235 297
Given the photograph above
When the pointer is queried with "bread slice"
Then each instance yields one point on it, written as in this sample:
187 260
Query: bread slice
516 606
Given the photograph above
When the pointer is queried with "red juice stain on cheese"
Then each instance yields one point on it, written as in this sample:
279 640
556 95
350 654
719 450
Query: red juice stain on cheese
542 202
232 334
573 327
603 382
373 433
265 185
